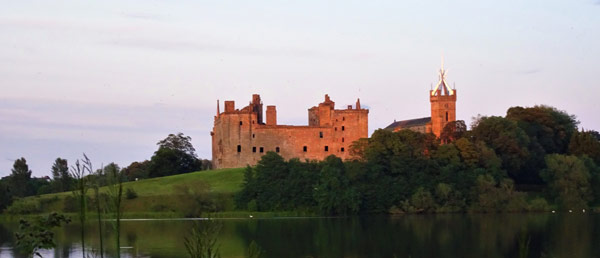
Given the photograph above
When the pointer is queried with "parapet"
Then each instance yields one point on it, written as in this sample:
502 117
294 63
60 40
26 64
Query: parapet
229 106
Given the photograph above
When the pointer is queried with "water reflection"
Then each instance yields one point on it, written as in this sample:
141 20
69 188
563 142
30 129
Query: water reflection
456 235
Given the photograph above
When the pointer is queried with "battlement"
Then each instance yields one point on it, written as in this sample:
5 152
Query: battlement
240 138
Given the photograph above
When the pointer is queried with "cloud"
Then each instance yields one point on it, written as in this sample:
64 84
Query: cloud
143 16
529 71
190 45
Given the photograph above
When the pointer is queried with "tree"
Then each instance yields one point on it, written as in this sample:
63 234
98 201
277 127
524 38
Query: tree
453 130
175 155
509 142
19 178
334 193
585 143
61 177
178 142
569 181
137 170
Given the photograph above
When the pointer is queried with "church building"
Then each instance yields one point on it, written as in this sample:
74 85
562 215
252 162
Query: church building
443 110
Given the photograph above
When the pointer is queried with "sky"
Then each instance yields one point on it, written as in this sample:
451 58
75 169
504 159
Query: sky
112 78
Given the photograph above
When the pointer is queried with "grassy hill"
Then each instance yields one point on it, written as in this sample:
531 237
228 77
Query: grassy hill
158 196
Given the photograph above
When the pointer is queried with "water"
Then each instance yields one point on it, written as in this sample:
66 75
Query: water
449 235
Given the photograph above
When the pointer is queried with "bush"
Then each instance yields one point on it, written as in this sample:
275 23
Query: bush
130 194
539 204
20 207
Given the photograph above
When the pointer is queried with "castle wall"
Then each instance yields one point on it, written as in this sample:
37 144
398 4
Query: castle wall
338 130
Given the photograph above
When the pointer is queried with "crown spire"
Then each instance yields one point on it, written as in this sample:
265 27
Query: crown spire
442 84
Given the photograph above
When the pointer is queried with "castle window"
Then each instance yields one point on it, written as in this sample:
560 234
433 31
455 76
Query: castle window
446 116
253 121
262 150
343 119
253 149
342 149
326 148
343 128
304 148
277 149
240 122
239 148
320 134
252 135
335 128
342 139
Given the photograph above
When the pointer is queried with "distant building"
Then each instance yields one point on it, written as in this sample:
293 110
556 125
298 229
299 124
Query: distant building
443 110
241 136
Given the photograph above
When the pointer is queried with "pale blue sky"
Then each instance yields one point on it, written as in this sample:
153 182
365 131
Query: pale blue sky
111 78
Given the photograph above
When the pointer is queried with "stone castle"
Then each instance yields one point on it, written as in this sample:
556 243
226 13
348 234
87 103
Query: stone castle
241 136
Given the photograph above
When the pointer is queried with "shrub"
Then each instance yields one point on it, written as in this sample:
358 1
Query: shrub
20 207
539 204
130 194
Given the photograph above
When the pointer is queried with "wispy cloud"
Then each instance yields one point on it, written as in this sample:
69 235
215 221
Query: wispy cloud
175 45
529 71
144 16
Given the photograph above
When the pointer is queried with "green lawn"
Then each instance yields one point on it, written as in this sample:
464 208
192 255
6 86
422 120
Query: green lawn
156 195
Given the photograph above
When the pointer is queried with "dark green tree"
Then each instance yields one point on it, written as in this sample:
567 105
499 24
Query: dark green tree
61 178
585 143
137 170
333 192
20 179
509 142
568 179
175 155
453 130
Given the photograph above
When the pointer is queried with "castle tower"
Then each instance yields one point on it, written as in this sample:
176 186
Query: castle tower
443 104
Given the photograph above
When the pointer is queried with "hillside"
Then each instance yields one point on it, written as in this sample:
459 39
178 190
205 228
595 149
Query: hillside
156 195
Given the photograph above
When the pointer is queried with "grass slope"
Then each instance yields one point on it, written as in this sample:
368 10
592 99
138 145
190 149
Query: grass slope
155 195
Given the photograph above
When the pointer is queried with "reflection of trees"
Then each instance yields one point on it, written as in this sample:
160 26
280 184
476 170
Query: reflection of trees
443 235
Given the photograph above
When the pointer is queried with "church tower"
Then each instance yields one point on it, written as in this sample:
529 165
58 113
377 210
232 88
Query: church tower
443 104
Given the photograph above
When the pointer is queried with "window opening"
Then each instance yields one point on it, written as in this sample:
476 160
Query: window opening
304 148
320 134
240 122
343 128
253 149
342 149
239 148
326 148
277 149
262 150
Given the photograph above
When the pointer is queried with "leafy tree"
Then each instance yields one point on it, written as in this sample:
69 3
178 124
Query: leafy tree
334 193
508 141
569 181
175 155
422 200
5 194
20 179
62 180
547 126
178 142
453 130
585 143
137 170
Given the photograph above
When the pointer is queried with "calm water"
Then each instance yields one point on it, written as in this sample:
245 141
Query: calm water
551 235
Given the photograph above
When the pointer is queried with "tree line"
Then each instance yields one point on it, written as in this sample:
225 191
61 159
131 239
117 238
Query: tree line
175 155
532 159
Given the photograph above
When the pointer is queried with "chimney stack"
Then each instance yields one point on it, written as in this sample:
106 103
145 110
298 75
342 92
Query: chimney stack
271 115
